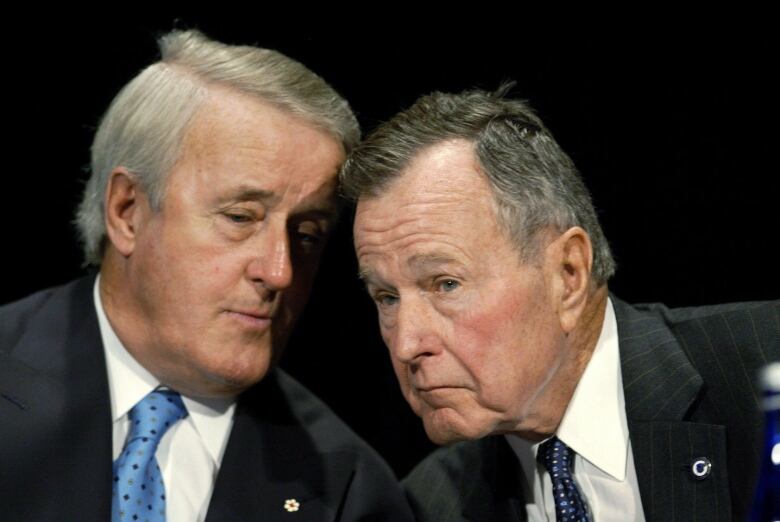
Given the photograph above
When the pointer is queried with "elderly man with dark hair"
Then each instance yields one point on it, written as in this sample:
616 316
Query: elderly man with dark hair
480 246
211 194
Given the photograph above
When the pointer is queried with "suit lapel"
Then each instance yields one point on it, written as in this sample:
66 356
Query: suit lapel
56 376
271 459
661 385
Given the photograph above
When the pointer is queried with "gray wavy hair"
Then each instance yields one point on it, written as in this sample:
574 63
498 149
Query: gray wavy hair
534 182
145 124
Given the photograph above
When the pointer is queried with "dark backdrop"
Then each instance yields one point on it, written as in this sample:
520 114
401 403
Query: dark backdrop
674 132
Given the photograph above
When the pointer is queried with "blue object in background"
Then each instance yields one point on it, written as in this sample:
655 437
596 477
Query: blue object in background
766 506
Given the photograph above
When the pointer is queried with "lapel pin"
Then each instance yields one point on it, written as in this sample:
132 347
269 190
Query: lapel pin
291 505
701 468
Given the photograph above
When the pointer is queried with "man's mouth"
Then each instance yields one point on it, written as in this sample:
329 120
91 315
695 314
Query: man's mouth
252 318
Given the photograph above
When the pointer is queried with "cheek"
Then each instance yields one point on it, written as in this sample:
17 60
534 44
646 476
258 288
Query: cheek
482 338
387 324
401 372
304 270
302 281
502 344
292 302
187 280
386 331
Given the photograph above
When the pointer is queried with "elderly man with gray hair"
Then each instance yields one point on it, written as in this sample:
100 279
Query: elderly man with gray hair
479 244
150 391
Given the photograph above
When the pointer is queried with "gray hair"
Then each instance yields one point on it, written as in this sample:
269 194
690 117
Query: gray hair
145 125
534 183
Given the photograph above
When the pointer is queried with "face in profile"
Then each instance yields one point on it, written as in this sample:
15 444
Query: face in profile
219 274
472 331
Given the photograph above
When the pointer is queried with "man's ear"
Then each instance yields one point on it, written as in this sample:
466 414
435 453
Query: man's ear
571 258
125 207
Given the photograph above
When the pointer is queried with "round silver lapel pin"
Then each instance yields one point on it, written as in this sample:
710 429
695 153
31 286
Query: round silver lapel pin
701 468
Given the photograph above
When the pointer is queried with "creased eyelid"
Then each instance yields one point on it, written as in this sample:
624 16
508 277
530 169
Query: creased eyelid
441 281
313 238
380 296
239 217
383 301
234 211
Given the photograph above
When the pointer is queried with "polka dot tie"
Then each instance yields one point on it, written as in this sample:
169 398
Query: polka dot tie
558 459
139 492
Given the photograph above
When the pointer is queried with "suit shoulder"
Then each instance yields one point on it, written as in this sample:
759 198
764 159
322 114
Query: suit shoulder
753 326
768 309
18 316
15 316
732 335
326 428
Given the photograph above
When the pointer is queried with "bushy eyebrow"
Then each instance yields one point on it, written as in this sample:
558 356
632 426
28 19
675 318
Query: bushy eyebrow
418 263
370 278
423 262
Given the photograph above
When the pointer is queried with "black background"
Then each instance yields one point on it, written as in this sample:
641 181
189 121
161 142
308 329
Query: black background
673 128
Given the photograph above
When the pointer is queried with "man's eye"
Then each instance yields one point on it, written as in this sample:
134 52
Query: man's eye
309 240
385 300
238 218
448 285
309 235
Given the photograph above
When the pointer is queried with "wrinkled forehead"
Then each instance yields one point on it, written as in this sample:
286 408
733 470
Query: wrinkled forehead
445 168
437 200
394 168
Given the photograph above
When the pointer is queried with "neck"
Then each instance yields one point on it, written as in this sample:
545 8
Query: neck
119 307
132 326
580 345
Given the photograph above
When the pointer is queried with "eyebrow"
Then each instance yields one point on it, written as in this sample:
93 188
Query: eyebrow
246 193
369 277
427 261
329 211
418 262
366 274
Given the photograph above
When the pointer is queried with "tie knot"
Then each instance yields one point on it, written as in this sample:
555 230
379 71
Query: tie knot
151 417
555 456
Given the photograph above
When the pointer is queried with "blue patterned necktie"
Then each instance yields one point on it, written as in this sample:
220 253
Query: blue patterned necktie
139 492
558 459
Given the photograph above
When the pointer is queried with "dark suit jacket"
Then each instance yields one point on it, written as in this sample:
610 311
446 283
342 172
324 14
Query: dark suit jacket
688 377
55 432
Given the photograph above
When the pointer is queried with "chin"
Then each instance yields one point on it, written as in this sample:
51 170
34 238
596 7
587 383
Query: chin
446 426
237 375
247 376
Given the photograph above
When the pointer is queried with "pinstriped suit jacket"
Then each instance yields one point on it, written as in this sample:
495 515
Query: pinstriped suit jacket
688 377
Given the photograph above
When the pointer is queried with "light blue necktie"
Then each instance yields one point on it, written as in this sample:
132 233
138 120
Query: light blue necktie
139 492
558 459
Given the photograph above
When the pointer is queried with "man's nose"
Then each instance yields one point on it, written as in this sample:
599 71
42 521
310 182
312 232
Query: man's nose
416 331
271 265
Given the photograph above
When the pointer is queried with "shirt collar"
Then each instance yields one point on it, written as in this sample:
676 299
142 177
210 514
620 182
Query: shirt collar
594 424
129 382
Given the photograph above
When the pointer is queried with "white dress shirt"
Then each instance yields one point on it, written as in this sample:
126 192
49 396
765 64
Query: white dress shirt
594 426
191 451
